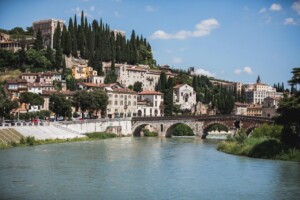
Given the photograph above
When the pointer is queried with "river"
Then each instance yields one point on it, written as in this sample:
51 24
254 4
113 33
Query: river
142 168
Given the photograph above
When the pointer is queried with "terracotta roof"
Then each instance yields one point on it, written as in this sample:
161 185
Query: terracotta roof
136 69
101 85
40 85
11 81
241 104
149 92
123 90
178 86
67 92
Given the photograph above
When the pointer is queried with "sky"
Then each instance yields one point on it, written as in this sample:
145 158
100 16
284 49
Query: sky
234 40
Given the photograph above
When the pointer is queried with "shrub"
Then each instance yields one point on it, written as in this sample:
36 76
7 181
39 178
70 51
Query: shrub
269 131
22 140
266 149
182 130
30 140
100 135
240 136
148 133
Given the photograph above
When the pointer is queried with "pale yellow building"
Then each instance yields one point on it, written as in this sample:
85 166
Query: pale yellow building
83 71
254 110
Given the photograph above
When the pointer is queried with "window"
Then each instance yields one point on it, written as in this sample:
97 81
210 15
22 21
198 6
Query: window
116 96
121 103
116 103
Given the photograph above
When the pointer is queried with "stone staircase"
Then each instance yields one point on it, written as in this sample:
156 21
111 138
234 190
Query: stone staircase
8 135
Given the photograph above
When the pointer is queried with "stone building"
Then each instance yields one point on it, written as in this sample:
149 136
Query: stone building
129 74
150 104
122 102
270 106
7 44
184 96
47 28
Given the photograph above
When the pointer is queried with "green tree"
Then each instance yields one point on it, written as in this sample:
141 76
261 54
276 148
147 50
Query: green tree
30 99
49 56
57 37
6 105
38 42
168 98
58 58
60 105
82 100
138 86
99 102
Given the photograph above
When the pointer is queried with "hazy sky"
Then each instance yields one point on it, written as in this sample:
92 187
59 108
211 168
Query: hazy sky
233 40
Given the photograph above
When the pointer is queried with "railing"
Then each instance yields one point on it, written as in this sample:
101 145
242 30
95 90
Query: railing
14 124
205 118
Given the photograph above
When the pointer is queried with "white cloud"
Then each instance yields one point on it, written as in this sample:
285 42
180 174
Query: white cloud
204 72
176 60
262 10
289 21
296 6
246 70
275 7
201 29
92 8
159 34
150 8
238 71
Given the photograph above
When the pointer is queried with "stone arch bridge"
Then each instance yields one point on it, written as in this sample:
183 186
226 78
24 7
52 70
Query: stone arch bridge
199 124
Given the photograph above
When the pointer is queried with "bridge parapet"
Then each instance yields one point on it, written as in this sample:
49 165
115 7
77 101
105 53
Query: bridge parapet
198 124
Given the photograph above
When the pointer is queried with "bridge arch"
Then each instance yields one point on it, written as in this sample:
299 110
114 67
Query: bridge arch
210 124
137 131
250 129
170 128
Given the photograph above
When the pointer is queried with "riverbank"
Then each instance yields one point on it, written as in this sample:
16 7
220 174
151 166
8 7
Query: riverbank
266 148
31 141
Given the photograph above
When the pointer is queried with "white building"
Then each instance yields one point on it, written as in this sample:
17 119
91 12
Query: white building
240 108
129 74
257 92
150 104
184 96
96 79
122 102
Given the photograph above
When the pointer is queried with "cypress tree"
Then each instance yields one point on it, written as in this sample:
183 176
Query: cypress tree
58 58
168 98
38 42
56 37
49 56
63 37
